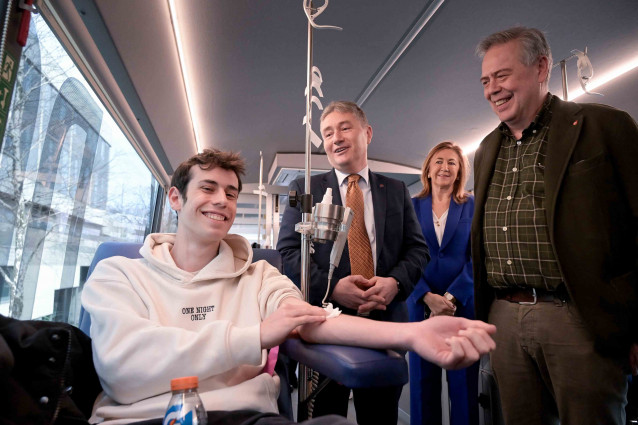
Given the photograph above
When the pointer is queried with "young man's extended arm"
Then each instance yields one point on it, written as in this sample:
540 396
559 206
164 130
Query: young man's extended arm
450 342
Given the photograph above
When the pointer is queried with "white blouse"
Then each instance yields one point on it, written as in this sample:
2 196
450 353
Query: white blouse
439 224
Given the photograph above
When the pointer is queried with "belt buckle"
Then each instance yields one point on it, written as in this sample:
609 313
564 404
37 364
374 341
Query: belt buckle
530 302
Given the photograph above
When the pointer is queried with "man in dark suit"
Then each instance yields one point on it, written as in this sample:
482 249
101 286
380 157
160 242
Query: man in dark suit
396 246
554 241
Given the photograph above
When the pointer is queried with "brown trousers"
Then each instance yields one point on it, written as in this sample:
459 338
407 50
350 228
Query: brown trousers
547 369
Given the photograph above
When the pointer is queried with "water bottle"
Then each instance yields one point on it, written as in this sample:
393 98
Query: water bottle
185 407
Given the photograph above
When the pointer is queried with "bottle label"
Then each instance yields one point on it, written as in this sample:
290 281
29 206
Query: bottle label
174 416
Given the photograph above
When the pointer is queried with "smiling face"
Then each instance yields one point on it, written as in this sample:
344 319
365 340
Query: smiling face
443 169
209 210
514 90
346 140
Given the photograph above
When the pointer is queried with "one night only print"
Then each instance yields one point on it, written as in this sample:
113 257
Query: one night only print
197 313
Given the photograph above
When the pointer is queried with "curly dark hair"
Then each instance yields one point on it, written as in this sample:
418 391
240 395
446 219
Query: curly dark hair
209 158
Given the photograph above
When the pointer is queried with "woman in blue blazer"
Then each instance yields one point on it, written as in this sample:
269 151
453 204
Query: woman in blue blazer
445 212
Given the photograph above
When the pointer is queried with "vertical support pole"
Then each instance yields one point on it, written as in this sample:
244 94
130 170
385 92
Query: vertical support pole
275 219
268 239
305 381
306 210
261 188
563 73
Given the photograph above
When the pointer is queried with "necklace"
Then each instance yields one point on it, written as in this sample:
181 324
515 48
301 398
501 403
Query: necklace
439 220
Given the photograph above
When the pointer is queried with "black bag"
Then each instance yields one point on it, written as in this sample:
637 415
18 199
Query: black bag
46 373
489 399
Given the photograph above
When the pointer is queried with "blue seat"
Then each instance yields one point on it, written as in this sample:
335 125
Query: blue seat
354 367
106 250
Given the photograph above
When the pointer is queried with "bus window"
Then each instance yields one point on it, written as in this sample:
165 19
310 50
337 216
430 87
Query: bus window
69 180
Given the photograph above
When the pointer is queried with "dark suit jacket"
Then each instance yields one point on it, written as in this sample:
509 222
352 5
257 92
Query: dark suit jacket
401 250
450 269
591 202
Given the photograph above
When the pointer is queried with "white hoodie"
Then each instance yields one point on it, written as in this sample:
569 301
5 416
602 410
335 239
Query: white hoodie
152 322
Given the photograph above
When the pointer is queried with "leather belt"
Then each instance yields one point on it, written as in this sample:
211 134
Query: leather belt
531 296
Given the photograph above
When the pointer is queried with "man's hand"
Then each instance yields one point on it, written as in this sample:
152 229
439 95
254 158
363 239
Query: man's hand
350 292
633 358
384 287
291 313
452 342
438 305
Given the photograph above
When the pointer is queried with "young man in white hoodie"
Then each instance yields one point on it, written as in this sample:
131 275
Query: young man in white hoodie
195 304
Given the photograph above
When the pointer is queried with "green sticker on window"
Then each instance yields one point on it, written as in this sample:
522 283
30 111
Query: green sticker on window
7 80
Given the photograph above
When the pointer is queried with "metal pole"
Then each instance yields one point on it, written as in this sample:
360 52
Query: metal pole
261 173
563 73
409 37
305 382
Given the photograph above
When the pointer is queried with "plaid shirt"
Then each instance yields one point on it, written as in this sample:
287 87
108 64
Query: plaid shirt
518 251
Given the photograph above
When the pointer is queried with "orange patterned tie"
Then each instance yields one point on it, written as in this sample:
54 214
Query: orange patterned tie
358 241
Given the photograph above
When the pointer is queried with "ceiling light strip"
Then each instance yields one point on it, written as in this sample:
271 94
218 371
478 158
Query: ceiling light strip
185 76
398 51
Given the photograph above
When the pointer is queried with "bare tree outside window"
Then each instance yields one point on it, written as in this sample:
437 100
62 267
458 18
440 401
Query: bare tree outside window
68 180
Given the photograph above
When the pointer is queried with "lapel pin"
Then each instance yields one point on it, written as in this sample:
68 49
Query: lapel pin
575 122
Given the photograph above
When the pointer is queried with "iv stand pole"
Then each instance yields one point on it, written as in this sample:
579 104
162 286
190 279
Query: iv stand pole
305 383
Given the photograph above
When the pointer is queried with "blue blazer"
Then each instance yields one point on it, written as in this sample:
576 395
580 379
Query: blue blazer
450 268
401 249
